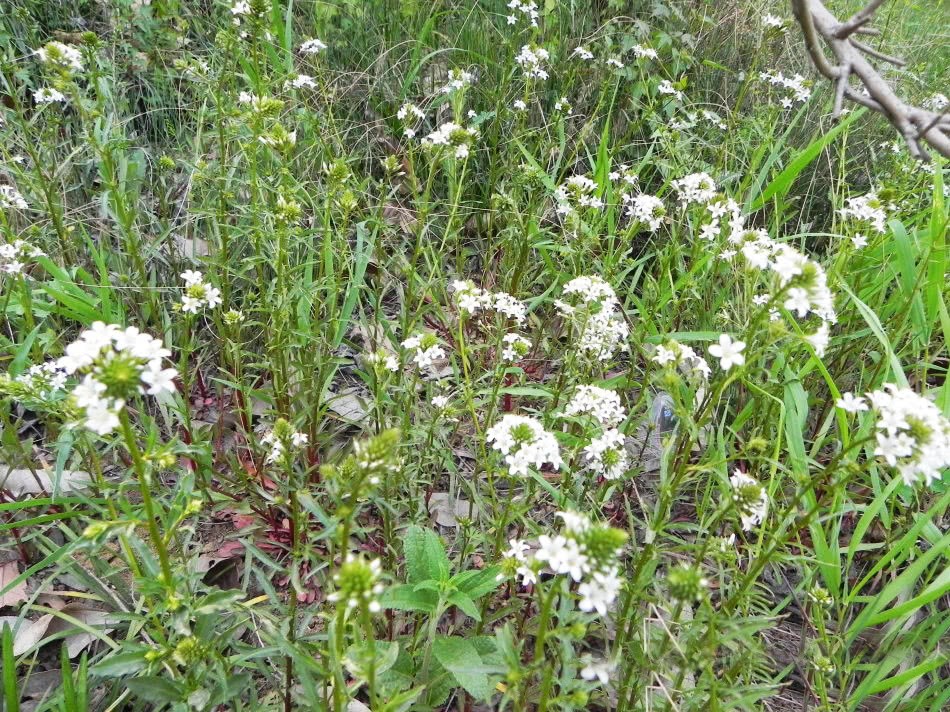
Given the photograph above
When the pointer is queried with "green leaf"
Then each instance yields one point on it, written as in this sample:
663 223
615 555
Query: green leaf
403 597
460 658
465 604
10 694
425 556
476 584
120 665
154 689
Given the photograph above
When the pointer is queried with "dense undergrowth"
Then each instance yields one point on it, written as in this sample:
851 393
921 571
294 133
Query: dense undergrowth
466 355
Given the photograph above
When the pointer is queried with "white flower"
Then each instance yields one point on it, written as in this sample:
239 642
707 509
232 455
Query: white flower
524 442
866 208
531 59
647 209
695 188
751 499
912 434
10 197
850 403
600 403
427 349
728 352
666 87
641 52
458 79
577 192
61 55
301 81
89 392
440 401
519 105
313 46
596 669
599 592
583 53
770 20
516 347
159 380
102 417
859 240
454 136
614 62
516 550
48 95
606 455
563 556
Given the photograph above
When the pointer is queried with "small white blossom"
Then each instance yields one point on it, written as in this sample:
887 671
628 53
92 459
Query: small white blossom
728 352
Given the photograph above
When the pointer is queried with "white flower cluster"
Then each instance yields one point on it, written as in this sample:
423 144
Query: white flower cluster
40 381
773 21
602 404
382 360
118 364
532 59
804 280
697 188
666 87
593 305
646 209
426 347
641 52
626 176
313 46
577 192
472 299
563 105
516 347
682 356
300 81
912 434
61 55
524 442
410 115
14 256
10 197
607 455
750 498
453 136
719 209
277 443
458 79
48 95
797 87
198 293
866 208
583 53
584 551
256 102
528 10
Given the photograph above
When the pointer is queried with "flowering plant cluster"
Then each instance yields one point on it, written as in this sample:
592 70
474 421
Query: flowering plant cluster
116 366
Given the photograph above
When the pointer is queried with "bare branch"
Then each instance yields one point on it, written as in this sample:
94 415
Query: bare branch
915 124
897 61
846 29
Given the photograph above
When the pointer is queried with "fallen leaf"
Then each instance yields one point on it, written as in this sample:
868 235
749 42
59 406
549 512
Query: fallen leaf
190 247
79 640
26 633
349 406
20 481
446 511
17 594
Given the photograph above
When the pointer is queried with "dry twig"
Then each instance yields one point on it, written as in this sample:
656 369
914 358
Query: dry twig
915 124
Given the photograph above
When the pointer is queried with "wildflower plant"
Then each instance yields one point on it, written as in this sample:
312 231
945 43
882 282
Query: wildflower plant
499 355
